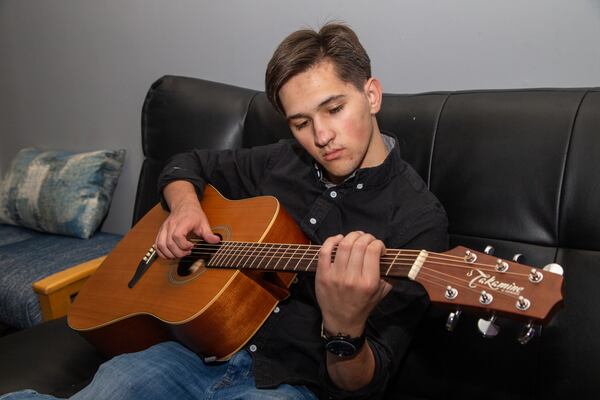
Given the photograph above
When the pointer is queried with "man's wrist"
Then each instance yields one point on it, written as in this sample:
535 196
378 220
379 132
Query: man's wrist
334 327
341 344
179 193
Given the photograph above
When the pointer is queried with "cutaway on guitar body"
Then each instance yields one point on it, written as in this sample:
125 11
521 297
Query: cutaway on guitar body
213 311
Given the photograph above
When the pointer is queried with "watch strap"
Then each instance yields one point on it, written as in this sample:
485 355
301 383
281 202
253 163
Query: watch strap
342 345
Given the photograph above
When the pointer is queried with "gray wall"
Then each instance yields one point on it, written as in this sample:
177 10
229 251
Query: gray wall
74 73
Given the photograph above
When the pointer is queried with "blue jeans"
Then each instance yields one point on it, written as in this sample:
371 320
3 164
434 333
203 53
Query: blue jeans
170 371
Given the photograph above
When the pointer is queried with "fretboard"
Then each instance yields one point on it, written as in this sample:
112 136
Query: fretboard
294 257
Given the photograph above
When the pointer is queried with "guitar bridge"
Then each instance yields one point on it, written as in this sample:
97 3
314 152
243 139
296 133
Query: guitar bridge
143 266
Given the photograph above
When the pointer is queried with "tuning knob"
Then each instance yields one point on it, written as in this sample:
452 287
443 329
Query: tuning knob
554 268
452 320
487 327
519 258
527 333
489 250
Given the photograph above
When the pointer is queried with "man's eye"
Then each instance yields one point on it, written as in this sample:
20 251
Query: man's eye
337 109
301 125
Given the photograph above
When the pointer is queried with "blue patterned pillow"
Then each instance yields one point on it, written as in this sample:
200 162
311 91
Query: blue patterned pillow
59 191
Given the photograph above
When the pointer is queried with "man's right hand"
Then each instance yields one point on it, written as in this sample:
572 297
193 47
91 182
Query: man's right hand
186 216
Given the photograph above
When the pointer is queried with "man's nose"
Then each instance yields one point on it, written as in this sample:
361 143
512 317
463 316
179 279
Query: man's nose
323 133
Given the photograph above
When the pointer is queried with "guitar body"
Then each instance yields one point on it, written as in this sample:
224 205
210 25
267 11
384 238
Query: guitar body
214 312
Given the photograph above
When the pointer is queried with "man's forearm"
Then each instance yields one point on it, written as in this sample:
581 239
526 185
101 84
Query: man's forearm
179 192
352 373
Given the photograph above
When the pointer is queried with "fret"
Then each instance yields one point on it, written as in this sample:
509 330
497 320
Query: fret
229 255
311 261
392 263
262 257
279 258
254 255
215 260
301 258
237 253
290 258
249 246
275 252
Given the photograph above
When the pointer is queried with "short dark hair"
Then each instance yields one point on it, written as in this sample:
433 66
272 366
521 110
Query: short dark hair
305 48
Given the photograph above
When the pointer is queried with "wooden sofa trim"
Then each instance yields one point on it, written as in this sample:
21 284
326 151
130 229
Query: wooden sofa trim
57 291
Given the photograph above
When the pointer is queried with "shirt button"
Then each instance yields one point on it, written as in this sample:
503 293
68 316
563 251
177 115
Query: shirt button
359 186
333 194
253 348
276 310
312 221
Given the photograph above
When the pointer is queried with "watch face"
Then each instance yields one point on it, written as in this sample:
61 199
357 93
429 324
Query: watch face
340 347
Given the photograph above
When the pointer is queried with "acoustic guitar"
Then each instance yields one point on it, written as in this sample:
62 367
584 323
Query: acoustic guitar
215 299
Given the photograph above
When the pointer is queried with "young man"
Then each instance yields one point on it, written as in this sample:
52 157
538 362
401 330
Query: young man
342 332
346 185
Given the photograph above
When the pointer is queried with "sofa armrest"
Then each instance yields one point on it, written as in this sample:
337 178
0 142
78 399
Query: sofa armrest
57 291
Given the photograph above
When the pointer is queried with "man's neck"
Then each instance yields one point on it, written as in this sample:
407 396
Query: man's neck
377 152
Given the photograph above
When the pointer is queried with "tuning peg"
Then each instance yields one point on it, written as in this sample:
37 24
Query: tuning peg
487 327
527 333
452 320
554 268
489 250
519 258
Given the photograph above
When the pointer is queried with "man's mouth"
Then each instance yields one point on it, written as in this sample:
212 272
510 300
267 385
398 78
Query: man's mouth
332 154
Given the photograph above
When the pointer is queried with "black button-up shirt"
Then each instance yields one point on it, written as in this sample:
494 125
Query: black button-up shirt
389 201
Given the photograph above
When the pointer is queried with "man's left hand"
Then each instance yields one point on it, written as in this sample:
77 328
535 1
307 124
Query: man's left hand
351 286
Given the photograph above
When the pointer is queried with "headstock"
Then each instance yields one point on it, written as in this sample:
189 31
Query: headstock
466 279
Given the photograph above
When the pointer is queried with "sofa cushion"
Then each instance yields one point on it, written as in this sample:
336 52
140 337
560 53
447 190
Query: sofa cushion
32 256
59 191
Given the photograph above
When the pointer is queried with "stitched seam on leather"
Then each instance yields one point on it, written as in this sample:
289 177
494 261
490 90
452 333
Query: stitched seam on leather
561 193
245 119
437 124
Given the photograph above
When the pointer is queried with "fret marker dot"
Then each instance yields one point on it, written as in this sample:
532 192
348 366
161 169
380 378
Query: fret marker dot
313 221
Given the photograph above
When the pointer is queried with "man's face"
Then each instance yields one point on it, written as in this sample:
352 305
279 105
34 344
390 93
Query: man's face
333 120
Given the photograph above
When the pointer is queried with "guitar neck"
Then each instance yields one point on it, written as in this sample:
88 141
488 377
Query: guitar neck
296 257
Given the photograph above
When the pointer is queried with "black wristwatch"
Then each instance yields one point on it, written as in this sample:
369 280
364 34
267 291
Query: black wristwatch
342 345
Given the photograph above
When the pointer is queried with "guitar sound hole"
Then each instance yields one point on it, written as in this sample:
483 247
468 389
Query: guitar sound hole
191 265
196 262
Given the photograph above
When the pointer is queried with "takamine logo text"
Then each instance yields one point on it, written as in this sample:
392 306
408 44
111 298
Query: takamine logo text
491 282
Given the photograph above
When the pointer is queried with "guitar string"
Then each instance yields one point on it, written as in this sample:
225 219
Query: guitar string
461 286
404 270
232 250
202 243
228 254
227 248
385 260
423 273
462 281
458 281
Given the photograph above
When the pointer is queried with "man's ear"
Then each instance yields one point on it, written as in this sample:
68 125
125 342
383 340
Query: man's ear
374 94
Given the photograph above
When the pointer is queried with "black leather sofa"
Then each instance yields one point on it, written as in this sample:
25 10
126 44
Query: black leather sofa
515 169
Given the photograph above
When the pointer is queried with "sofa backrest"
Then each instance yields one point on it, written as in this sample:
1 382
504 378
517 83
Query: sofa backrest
517 169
